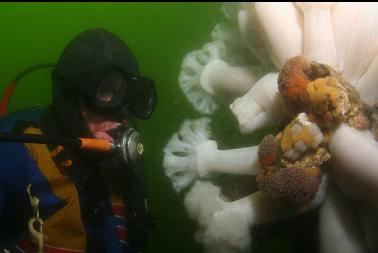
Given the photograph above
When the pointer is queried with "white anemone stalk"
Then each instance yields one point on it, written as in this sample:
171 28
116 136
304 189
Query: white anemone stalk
363 45
339 228
226 44
241 161
367 86
230 35
219 76
180 154
282 28
260 107
231 10
190 154
319 42
355 154
191 71
227 224
252 37
342 33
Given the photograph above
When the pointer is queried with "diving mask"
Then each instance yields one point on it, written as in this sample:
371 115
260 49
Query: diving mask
118 95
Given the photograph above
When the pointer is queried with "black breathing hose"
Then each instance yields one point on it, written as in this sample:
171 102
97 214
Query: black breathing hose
33 68
36 138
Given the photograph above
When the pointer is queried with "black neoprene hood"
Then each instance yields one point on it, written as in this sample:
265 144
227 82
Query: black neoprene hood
90 59
90 54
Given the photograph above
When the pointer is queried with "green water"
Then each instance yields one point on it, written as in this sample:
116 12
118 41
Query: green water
160 35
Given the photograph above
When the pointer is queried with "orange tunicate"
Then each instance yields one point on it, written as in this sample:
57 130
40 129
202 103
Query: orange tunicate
269 151
314 172
325 97
293 79
268 160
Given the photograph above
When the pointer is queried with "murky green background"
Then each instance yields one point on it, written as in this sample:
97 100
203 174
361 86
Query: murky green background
160 34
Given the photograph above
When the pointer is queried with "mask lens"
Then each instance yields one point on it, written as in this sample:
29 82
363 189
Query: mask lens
110 90
143 97
119 95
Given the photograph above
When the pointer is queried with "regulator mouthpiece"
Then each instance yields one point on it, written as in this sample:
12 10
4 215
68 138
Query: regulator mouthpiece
129 146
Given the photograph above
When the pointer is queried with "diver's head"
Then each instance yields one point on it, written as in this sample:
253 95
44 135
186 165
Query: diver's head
98 69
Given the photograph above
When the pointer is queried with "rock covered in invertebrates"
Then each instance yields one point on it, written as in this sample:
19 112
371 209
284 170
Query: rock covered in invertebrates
293 80
269 151
313 158
293 186
295 182
321 92
299 136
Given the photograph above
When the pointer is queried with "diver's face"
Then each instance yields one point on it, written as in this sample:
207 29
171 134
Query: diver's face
109 99
111 90
98 125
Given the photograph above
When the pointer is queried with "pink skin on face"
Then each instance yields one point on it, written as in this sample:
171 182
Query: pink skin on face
97 124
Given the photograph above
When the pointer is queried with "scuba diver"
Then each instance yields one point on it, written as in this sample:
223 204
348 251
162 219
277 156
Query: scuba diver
57 198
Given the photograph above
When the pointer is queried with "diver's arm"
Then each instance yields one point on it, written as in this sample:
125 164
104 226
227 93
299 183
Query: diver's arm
14 162
2 199
14 173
